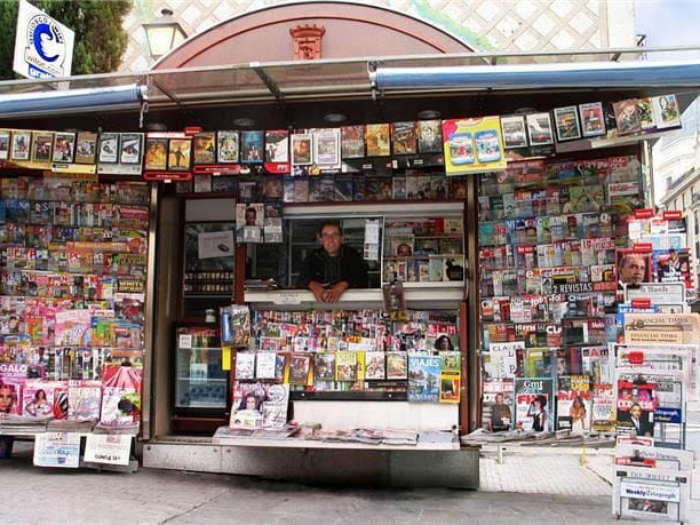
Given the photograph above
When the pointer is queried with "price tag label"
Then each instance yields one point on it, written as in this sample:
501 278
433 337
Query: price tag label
185 341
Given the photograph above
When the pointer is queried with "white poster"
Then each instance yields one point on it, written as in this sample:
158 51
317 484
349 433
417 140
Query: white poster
111 449
215 244
43 47
57 449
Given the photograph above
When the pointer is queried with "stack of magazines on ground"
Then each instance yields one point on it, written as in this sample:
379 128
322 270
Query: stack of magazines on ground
562 437
288 430
68 425
125 427
13 424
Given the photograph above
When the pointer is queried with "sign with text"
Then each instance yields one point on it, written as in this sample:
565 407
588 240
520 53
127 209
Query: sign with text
110 449
43 46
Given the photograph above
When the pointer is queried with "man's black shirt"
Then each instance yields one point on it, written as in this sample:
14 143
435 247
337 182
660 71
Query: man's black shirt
348 266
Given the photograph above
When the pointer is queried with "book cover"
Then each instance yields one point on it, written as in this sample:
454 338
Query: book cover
346 366
353 141
627 117
404 137
245 365
252 146
265 365
396 365
423 379
259 406
377 140
430 136
299 368
324 366
375 366
533 404
450 376
574 403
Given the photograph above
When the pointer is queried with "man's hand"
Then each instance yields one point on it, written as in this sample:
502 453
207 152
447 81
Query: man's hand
334 292
318 290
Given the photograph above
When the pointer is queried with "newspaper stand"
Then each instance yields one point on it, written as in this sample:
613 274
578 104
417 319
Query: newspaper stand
120 458
642 490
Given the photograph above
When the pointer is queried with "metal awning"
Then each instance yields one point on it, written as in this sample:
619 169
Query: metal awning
367 78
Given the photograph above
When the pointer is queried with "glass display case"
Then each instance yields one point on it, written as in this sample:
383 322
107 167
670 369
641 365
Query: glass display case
209 264
201 383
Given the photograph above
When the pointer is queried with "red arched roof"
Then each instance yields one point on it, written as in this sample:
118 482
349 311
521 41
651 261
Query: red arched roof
352 30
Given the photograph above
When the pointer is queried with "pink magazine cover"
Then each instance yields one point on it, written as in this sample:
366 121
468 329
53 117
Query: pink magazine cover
38 399
121 394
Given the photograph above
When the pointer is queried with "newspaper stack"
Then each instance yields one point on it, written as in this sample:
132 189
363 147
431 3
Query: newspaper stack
12 424
66 425
400 437
122 428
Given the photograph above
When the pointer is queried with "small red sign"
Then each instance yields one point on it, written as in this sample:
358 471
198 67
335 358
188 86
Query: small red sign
167 176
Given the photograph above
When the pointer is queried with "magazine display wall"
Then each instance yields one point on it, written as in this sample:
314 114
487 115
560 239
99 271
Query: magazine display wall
73 284
355 355
548 235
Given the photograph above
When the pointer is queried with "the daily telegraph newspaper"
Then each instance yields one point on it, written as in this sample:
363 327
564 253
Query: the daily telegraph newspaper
649 493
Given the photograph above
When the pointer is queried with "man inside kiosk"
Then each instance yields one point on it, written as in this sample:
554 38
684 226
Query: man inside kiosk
334 267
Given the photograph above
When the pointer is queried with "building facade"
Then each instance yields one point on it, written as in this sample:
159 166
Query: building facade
497 25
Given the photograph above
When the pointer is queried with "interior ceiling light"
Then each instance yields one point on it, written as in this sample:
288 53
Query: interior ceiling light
244 122
429 114
335 117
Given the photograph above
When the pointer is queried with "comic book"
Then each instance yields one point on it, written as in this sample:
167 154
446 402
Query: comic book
346 366
396 365
404 137
265 365
423 379
324 366
245 365
375 366
353 141
430 136
299 368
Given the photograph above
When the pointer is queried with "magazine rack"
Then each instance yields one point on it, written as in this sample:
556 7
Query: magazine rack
679 484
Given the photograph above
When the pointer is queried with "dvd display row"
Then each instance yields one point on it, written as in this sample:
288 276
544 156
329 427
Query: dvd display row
349 187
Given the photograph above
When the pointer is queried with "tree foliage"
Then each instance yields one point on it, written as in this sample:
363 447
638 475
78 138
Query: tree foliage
100 39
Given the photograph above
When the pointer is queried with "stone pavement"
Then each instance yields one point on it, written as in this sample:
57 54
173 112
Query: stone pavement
566 493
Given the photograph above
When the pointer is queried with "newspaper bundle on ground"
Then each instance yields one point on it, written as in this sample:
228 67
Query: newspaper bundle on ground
59 449
108 449
651 483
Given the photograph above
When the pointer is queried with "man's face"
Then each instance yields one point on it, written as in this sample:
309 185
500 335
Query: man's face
331 239
250 218
636 412
5 399
633 270
499 399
